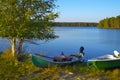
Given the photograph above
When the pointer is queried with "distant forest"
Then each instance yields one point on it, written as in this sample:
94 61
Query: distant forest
76 24
112 22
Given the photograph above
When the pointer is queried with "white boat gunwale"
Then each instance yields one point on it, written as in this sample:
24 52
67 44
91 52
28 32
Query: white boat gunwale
97 59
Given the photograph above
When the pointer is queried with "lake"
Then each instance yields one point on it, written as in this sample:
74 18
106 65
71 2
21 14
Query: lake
96 42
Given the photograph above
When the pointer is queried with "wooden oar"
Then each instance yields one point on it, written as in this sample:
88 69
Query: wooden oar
44 56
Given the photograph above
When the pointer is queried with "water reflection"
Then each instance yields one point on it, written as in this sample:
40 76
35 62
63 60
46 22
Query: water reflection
95 41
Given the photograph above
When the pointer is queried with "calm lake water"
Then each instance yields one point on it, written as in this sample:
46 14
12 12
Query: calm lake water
96 42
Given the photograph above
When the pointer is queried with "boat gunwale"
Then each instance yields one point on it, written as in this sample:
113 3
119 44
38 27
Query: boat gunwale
54 61
96 59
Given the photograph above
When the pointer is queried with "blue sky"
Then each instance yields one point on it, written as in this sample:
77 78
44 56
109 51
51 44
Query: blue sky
86 10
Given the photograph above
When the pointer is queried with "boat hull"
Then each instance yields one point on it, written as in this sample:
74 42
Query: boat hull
41 62
106 64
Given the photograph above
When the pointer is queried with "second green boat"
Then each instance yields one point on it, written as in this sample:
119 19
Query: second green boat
106 62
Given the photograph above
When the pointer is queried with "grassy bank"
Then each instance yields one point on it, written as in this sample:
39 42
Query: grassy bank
12 69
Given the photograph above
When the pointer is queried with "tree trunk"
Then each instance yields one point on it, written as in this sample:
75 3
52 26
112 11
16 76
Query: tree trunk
20 42
13 40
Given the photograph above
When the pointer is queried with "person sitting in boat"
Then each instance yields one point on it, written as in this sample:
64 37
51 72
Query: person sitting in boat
81 53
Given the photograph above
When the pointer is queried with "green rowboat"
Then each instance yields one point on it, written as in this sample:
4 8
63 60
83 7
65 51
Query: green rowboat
106 62
43 61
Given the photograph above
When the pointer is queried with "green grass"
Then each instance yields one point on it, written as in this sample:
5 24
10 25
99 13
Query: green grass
12 69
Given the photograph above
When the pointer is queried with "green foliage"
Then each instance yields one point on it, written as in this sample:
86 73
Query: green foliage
27 19
12 69
23 57
21 17
112 22
7 55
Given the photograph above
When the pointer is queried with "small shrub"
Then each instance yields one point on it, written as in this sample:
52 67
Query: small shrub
23 57
7 55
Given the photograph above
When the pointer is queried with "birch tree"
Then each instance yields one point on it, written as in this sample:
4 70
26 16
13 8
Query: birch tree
26 19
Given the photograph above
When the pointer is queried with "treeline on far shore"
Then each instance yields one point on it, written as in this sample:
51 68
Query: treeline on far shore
112 22
87 24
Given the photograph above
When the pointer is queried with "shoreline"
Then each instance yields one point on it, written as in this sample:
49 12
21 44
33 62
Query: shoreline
84 24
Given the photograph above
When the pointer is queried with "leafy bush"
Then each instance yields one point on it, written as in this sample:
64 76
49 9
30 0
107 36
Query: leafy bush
11 68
